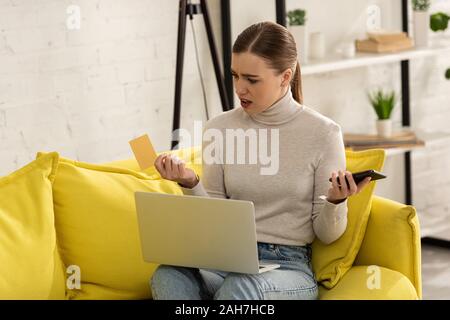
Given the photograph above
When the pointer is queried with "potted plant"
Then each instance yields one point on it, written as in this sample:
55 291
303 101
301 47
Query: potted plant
383 104
297 26
421 22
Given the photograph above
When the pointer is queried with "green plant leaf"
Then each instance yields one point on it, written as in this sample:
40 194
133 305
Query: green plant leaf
447 74
439 21
297 17
420 5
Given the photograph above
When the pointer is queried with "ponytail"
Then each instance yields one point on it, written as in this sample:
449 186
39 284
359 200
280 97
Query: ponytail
296 84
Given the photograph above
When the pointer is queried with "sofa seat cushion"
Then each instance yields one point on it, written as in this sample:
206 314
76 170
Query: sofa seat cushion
370 283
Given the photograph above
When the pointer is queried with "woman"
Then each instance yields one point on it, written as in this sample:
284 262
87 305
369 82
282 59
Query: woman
289 211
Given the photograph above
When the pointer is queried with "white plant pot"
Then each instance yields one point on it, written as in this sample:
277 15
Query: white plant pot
384 128
301 39
421 28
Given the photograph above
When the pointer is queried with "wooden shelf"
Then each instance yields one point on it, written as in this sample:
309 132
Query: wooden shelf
336 62
429 138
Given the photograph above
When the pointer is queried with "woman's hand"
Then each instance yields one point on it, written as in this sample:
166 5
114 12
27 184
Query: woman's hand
172 168
338 193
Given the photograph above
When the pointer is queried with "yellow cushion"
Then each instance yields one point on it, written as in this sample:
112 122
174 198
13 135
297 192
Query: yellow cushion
359 283
331 262
97 228
30 267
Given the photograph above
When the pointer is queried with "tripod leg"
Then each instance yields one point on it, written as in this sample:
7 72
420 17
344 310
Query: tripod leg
179 68
213 50
227 48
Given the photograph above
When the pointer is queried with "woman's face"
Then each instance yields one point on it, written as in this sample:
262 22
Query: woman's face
257 85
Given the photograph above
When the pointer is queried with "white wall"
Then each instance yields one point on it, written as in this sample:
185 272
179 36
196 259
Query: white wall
85 93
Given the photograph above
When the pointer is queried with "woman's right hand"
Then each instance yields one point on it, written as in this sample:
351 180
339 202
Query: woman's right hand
172 168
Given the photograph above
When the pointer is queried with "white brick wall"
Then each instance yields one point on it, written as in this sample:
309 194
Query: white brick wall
97 87
85 93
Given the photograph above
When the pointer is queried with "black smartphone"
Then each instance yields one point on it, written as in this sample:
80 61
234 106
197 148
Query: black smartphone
360 176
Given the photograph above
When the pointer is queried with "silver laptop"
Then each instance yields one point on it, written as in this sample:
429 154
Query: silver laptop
199 232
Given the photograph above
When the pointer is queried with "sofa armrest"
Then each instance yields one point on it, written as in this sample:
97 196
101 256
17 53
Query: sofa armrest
392 240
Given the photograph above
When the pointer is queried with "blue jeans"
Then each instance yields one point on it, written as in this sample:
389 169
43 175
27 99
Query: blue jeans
293 280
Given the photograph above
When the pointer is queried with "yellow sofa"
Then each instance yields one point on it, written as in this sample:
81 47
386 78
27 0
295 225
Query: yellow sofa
95 228
388 263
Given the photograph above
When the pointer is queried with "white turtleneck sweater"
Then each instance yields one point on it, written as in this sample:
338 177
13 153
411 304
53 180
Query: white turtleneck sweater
288 209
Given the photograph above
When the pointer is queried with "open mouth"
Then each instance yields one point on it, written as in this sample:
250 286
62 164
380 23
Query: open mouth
245 103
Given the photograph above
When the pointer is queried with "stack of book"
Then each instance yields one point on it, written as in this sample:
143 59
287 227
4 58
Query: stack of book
401 139
384 41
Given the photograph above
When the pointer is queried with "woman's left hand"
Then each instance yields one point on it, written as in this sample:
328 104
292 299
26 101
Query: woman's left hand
338 193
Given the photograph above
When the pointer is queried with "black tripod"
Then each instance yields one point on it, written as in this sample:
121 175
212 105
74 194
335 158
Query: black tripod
186 7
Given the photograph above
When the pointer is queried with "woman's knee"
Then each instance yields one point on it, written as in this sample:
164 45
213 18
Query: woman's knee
239 287
172 282
159 278
162 273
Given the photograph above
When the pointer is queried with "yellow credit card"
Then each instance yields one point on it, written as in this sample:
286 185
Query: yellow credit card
143 151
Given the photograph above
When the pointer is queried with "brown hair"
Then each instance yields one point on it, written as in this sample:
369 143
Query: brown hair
276 44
